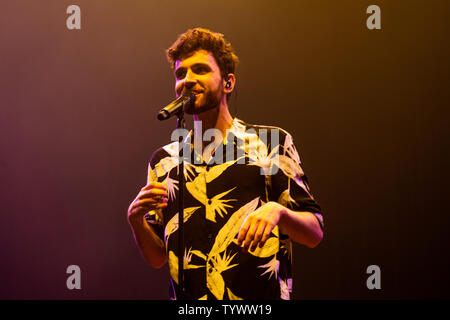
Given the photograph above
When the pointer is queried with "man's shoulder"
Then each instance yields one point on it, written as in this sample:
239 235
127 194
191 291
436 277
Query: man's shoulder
259 128
169 150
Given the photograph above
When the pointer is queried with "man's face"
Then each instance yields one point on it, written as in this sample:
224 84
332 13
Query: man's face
200 74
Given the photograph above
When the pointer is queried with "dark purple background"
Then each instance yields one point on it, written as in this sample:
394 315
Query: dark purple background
368 111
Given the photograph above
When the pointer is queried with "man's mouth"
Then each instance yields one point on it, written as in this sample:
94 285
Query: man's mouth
197 94
192 91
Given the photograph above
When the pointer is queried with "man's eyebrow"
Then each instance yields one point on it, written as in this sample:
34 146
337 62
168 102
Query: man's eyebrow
202 64
198 64
181 69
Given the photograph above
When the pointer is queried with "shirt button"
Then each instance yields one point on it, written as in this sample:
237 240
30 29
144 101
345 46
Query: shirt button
210 235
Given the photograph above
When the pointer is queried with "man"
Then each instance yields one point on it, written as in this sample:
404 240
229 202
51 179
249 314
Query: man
240 213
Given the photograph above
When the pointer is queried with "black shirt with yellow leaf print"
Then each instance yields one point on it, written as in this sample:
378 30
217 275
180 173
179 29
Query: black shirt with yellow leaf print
252 166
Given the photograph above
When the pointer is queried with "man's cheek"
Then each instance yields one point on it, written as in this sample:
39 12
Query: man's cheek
178 88
199 99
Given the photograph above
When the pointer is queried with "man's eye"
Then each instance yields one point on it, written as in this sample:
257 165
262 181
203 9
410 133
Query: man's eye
179 74
201 70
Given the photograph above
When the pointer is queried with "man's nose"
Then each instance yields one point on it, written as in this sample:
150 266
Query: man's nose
189 80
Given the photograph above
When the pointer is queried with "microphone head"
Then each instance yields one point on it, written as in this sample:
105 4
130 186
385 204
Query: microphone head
163 115
185 100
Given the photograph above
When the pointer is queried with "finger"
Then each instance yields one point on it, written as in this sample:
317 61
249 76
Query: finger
153 193
150 202
155 184
147 209
243 232
258 235
153 200
250 234
266 235
161 205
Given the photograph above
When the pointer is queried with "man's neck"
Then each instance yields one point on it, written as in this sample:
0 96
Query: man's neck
218 118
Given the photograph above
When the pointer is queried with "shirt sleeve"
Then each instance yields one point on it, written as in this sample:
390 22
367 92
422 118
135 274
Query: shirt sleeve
289 185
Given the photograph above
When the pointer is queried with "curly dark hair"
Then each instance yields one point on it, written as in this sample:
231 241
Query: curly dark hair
204 39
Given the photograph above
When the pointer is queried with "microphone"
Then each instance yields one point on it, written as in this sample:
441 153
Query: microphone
176 106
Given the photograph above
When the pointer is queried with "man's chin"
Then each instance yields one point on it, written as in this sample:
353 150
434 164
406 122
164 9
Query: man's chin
199 109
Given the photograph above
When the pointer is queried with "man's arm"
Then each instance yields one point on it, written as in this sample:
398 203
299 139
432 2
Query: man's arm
149 244
302 227
153 196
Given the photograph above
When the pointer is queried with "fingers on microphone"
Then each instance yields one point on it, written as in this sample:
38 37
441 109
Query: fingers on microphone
154 193
151 202
154 185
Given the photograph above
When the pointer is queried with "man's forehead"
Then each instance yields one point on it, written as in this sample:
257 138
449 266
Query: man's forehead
199 56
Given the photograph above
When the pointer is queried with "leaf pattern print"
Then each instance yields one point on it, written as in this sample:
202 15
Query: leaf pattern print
172 225
232 296
285 288
197 188
173 264
187 260
218 205
269 249
215 209
272 267
172 187
218 264
217 170
231 228
286 200
286 246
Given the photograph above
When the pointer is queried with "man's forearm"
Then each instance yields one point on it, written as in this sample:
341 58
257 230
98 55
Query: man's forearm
149 244
301 226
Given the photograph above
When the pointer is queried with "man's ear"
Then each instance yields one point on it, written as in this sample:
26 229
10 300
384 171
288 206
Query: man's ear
229 82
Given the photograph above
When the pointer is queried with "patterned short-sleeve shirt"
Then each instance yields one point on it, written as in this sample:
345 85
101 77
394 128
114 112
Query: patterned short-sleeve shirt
252 166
